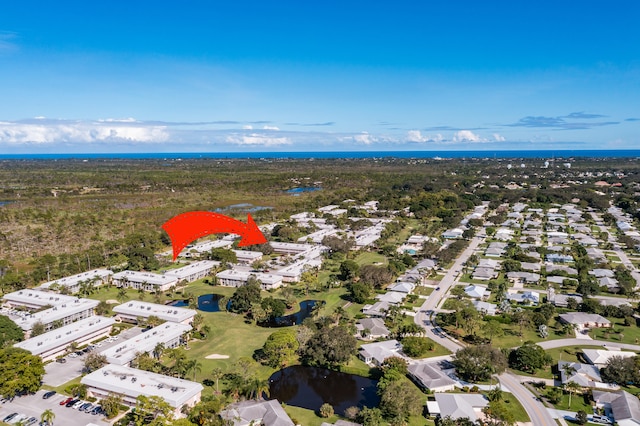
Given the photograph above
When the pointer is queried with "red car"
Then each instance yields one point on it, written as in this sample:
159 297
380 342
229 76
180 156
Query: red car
66 401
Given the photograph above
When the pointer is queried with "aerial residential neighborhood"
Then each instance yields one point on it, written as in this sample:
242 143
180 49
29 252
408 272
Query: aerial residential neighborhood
511 311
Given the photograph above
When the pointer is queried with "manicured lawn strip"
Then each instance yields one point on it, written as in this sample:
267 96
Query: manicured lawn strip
369 258
423 291
569 354
514 406
577 403
303 416
629 335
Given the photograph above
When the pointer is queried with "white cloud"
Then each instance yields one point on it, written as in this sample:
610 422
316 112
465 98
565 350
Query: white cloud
270 128
498 137
364 138
247 127
23 133
256 139
466 136
416 136
117 120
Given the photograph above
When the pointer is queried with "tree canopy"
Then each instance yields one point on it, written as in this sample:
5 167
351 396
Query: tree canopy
329 346
475 363
9 332
20 372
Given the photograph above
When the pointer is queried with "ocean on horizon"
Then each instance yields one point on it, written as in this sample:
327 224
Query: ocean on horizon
610 153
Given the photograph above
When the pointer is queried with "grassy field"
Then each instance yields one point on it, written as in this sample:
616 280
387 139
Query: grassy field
618 333
577 403
369 258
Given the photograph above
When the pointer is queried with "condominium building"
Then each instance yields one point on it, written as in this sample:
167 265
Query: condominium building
130 383
55 342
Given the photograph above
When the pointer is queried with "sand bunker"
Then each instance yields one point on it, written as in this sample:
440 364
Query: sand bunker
216 356
112 302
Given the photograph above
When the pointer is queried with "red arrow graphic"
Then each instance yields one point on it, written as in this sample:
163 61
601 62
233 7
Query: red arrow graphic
190 226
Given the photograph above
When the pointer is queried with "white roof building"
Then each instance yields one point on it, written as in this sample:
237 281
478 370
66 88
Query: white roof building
147 281
131 383
289 248
318 236
65 313
248 256
376 353
238 278
247 413
131 310
36 299
599 357
169 334
193 271
55 342
72 283
197 249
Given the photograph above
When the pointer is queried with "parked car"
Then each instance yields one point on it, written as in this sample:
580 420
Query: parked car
97 410
86 406
61 360
48 394
79 403
9 417
18 418
71 403
30 421
66 401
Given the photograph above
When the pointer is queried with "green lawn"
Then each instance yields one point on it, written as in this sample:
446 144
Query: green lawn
618 333
577 403
514 406
423 291
369 258
511 337
569 354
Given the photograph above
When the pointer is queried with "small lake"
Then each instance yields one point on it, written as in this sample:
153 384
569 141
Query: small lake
303 189
4 203
243 207
310 387
179 303
306 306
209 302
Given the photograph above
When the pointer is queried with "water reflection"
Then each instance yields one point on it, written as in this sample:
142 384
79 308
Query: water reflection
310 387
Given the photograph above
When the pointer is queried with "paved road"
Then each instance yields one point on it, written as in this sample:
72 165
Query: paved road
537 412
422 318
560 343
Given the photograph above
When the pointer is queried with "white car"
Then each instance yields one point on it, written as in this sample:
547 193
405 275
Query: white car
78 404
18 418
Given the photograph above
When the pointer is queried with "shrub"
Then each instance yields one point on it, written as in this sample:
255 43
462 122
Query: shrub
326 410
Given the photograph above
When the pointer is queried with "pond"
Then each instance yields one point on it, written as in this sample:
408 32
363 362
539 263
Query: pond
209 302
306 307
243 207
303 189
310 387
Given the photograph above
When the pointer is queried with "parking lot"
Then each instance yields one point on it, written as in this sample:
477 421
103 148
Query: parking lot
34 405
57 374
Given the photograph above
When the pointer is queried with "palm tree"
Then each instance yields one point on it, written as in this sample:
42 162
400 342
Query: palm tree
568 370
47 416
158 350
571 387
195 366
122 294
217 374
260 387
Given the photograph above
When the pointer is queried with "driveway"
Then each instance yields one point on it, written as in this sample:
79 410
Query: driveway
34 405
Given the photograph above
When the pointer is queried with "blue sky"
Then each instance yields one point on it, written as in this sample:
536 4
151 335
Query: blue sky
125 76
